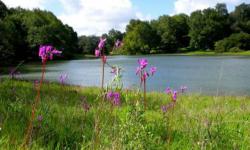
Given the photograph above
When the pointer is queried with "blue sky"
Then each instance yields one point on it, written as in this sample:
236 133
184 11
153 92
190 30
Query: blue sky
89 17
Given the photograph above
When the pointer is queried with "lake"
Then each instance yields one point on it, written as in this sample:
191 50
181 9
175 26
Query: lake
209 75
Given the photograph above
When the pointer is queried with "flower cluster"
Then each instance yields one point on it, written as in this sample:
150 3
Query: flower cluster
118 43
173 94
47 52
98 51
114 97
141 69
63 78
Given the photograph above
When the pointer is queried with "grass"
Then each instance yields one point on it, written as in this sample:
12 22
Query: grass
197 122
212 53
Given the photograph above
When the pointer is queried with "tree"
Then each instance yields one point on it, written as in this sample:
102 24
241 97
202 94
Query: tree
241 18
140 37
234 43
3 10
208 26
87 44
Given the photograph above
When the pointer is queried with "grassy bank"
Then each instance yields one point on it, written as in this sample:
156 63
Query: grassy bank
197 122
212 53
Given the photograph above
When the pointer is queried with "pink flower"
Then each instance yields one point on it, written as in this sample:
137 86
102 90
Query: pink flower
62 78
101 43
116 100
97 53
174 96
143 63
118 43
183 89
40 118
164 109
168 90
152 70
47 52
114 70
110 95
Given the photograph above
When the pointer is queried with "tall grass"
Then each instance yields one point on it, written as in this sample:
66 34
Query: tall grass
196 122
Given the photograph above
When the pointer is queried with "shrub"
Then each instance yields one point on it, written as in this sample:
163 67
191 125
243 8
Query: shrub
234 43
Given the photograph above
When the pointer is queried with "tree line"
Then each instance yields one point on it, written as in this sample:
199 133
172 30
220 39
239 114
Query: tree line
22 31
213 29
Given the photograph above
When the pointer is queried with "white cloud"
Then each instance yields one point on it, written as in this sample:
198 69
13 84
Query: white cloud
188 6
98 16
29 4
88 17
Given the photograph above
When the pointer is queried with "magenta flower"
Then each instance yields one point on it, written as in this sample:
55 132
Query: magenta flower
114 70
174 96
183 89
97 53
110 95
47 52
101 43
168 90
152 70
118 43
164 109
62 78
116 100
143 63
114 97
40 118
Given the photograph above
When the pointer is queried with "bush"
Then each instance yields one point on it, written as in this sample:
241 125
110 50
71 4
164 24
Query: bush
234 43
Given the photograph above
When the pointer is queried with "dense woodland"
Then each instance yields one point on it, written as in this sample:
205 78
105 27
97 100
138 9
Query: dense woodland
22 31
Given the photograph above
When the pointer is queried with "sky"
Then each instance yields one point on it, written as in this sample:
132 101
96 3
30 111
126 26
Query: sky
95 17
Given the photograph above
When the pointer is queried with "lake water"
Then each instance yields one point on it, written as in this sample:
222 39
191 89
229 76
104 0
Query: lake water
212 75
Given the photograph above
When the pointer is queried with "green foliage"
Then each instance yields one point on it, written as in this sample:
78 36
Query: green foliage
140 38
241 18
208 26
3 10
173 32
234 43
31 28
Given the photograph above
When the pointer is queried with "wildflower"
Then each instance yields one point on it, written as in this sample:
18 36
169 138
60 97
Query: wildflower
47 52
114 70
62 78
116 100
118 43
168 90
97 53
164 109
152 70
101 43
174 96
109 95
143 63
114 97
183 89
40 118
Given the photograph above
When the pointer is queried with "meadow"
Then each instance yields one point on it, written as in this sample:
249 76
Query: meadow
73 117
